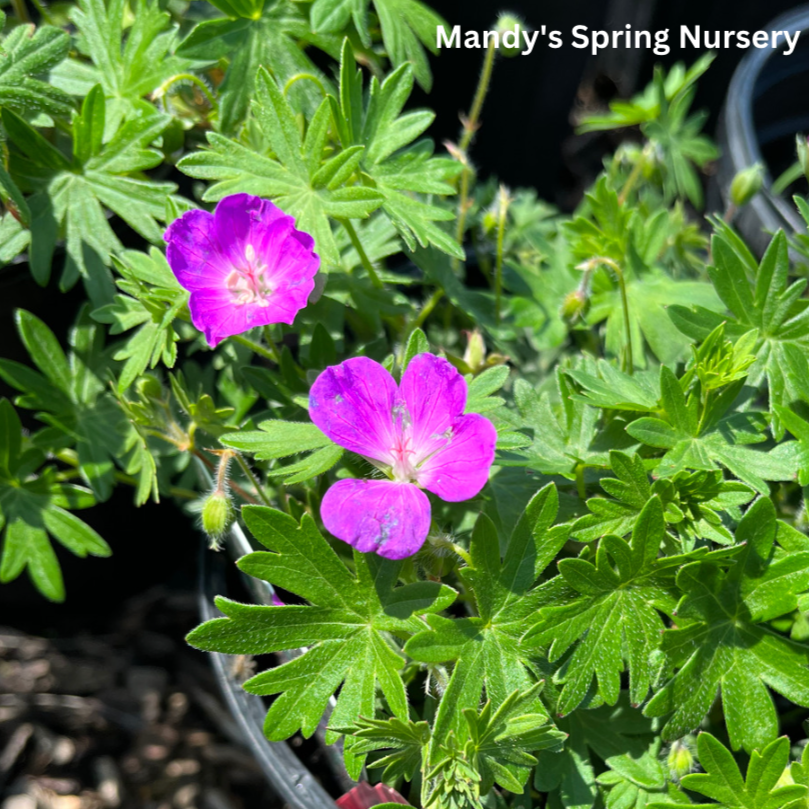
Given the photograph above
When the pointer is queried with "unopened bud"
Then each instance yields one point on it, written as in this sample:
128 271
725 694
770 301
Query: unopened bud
217 515
746 184
574 305
680 760
475 354
510 27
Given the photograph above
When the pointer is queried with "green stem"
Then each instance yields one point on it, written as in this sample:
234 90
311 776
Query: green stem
633 178
590 266
305 77
627 325
365 261
463 207
20 11
471 123
501 231
581 487
250 475
259 349
166 86
428 307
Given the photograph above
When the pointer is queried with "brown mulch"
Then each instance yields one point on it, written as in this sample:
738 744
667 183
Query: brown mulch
128 719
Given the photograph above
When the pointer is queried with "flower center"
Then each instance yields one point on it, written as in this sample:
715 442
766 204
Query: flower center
404 469
248 283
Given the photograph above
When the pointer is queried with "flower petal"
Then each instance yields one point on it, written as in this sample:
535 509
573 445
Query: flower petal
241 219
353 404
460 469
435 395
388 518
193 252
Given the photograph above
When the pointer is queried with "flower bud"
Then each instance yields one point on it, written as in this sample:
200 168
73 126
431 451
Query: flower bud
680 760
217 515
509 27
475 354
574 305
746 184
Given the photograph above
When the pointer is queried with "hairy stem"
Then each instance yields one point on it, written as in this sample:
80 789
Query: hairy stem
502 213
251 476
470 125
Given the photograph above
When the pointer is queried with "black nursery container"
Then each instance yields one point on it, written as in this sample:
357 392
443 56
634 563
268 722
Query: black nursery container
766 106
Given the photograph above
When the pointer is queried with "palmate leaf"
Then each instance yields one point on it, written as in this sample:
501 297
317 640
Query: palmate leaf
33 507
619 736
692 502
763 788
349 624
391 162
153 302
408 26
768 303
611 613
73 192
487 650
280 439
635 242
295 177
27 54
722 641
69 394
271 39
129 61
565 435
713 440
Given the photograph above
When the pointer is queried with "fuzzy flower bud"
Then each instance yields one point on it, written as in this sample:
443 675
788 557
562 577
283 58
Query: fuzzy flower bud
217 515
510 27
746 184
574 305
680 760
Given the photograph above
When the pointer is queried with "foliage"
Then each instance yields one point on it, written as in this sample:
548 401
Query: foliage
636 568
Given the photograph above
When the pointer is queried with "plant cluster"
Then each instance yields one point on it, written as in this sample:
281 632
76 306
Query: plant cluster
569 451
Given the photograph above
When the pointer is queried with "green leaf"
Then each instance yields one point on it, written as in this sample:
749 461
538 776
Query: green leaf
612 614
398 170
717 439
769 303
278 439
28 54
487 649
32 507
722 641
722 779
288 177
350 626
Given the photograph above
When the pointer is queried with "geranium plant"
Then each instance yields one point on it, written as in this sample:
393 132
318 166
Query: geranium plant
541 537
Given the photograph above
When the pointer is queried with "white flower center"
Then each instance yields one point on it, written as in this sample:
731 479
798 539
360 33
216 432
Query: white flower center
248 283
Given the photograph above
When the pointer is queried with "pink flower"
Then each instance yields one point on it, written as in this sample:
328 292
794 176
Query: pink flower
415 432
245 265
364 796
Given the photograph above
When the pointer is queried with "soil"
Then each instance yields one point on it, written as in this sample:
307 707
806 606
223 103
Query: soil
129 717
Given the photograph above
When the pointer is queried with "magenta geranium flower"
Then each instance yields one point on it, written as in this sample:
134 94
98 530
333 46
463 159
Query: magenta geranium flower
416 432
245 265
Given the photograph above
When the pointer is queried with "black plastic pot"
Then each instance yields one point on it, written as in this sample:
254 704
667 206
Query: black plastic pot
285 772
764 109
